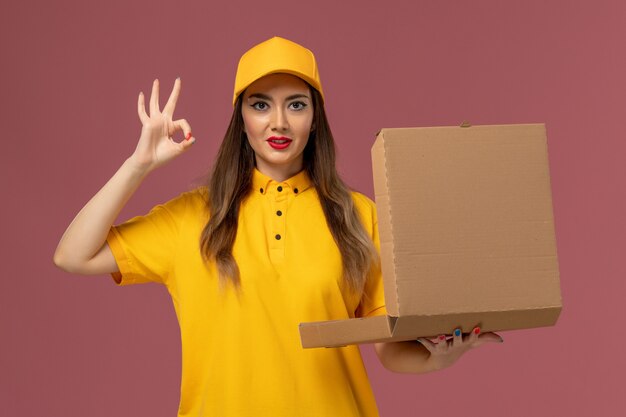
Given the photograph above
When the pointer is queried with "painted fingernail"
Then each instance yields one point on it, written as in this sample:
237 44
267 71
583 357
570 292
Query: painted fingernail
477 330
442 337
188 136
457 332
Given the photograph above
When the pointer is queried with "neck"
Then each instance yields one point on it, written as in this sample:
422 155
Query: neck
279 173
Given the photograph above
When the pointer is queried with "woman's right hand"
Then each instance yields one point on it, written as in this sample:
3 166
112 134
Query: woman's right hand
156 145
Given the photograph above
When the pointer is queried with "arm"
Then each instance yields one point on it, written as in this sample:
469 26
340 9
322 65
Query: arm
423 356
404 357
83 248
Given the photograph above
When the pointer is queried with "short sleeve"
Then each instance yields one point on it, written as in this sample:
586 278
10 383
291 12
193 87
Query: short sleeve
373 299
145 246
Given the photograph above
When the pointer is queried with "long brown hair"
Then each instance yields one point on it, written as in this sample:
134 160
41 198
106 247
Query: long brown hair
230 183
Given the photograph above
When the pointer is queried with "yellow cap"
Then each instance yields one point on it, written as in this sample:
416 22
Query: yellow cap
276 55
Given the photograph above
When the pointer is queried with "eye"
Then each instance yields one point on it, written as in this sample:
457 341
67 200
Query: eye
299 105
259 105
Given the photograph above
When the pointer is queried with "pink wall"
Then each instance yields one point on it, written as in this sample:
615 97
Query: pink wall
79 346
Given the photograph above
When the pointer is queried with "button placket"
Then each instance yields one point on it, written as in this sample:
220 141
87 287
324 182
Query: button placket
277 236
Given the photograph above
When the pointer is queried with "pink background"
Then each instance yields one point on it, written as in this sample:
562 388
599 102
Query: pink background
79 346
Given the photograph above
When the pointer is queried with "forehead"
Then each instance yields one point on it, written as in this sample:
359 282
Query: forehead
278 83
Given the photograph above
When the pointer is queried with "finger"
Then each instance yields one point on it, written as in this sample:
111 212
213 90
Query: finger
457 338
488 337
171 102
154 98
182 124
473 336
141 108
186 144
442 343
427 344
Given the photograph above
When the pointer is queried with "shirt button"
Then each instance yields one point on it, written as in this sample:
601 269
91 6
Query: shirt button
279 188
277 237
295 190
279 213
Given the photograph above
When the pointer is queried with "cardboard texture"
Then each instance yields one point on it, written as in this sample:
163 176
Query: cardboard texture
466 232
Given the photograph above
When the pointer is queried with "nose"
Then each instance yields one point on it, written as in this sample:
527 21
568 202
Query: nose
278 120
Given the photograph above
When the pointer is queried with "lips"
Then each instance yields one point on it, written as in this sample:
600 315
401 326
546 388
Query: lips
279 142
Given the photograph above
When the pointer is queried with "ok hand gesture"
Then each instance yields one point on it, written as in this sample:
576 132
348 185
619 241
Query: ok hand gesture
156 145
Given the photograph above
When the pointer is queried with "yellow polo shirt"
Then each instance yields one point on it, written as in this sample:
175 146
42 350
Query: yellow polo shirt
242 356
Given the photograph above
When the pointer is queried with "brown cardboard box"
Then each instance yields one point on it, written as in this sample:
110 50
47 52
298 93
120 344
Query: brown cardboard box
466 232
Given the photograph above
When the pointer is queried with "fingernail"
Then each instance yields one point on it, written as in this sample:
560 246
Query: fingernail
188 136
178 78
501 339
457 332
193 141
442 337
477 330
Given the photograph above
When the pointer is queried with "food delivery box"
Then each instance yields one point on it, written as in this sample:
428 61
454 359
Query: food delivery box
466 235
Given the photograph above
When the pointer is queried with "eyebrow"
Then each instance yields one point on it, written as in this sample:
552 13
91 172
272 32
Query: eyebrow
266 97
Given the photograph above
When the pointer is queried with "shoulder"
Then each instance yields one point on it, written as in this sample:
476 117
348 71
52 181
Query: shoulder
365 207
194 199
362 200
198 196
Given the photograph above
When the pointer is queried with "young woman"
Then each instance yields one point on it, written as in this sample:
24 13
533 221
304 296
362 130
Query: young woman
274 239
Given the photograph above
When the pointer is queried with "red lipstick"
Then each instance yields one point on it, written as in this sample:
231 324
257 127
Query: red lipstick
279 142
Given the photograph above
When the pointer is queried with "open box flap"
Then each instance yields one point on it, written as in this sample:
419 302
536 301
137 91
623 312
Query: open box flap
337 333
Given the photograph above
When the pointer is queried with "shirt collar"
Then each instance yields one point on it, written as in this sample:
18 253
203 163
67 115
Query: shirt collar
296 184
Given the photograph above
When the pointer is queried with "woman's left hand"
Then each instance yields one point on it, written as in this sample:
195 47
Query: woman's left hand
447 351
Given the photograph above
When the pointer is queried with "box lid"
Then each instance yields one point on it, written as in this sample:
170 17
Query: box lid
471 209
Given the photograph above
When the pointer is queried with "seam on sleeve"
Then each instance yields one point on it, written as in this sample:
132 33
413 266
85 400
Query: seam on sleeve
124 264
